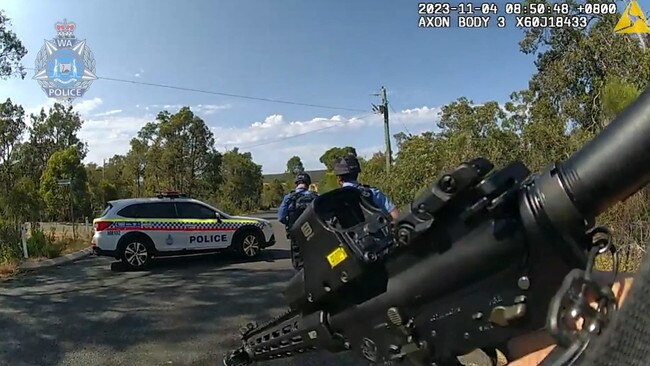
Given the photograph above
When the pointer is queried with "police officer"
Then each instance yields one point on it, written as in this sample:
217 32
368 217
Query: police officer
302 182
347 171
293 204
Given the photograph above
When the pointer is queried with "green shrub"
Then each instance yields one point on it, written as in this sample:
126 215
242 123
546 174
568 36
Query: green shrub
10 241
40 244
229 207
37 243
7 254
53 249
272 195
328 183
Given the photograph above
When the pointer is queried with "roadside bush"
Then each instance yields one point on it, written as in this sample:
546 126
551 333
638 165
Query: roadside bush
36 243
272 195
40 244
327 183
229 207
630 225
54 249
10 244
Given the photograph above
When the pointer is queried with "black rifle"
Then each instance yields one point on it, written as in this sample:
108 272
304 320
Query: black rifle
474 261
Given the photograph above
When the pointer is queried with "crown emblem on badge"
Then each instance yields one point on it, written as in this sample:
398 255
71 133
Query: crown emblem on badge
65 29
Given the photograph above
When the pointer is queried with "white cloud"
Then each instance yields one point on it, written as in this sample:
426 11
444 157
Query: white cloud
200 109
276 162
83 106
368 152
274 133
37 109
110 135
418 115
108 113
209 108
87 105
275 127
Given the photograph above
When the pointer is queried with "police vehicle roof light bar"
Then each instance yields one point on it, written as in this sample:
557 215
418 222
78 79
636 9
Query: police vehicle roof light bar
171 194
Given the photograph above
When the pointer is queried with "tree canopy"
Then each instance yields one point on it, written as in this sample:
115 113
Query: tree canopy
334 153
12 50
295 166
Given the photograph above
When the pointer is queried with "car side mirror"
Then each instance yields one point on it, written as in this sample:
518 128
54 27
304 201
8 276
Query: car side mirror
218 215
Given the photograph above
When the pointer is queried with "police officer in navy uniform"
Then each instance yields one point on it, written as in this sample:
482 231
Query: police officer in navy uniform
347 171
302 181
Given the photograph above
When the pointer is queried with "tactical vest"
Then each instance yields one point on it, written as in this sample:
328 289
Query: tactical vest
297 204
366 193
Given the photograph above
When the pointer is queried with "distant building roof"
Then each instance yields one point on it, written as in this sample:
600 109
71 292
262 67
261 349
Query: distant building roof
316 176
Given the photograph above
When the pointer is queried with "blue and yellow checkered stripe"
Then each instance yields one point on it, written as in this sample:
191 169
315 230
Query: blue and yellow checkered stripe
183 225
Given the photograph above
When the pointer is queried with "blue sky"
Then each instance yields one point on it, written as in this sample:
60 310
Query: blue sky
334 52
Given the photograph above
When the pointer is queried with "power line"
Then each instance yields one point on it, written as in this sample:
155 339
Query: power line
245 97
231 95
399 119
226 94
287 137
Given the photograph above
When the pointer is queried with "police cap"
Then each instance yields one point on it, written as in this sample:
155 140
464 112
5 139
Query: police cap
349 164
302 178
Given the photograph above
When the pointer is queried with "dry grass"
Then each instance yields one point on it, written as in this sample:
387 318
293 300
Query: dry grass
59 231
56 239
8 268
74 246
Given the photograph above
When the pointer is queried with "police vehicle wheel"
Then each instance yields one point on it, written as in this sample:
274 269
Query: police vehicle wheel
136 254
248 244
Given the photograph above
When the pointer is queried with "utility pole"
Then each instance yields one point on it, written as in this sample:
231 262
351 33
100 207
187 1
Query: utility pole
383 109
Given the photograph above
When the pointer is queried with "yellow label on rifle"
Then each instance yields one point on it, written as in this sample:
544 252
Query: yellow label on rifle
336 257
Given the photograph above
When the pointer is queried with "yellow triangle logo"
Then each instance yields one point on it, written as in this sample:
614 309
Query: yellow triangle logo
632 21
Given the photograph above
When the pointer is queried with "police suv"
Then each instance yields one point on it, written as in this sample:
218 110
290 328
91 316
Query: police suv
140 229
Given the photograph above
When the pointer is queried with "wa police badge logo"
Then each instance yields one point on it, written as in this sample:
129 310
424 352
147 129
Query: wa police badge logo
65 66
